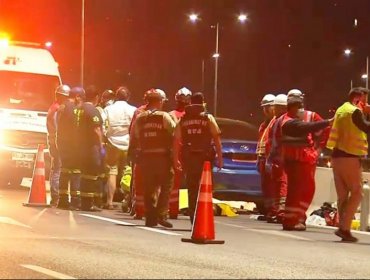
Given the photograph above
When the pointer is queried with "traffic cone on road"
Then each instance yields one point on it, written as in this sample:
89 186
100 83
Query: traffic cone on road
203 231
37 195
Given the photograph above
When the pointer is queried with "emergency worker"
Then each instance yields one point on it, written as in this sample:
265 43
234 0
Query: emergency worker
182 98
267 107
119 116
92 151
193 146
61 94
154 131
300 157
136 188
274 162
68 147
348 140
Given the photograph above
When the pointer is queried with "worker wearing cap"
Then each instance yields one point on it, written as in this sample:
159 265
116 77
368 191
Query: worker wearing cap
92 151
300 157
348 140
68 147
274 161
119 116
61 95
267 107
136 188
182 98
154 132
193 146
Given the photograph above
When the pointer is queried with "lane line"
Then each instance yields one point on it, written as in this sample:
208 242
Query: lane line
35 218
10 221
107 220
47 272
72 221
335 228
266 231
278 233
160 231
130 224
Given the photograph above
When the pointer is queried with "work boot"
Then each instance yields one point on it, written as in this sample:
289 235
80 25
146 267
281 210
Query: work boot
150 222
297 227
345 235
165 223
63 205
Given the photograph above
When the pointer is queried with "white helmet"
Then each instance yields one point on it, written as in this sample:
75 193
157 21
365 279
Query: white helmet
281 99
268 99
183 92
63 90
295 96
156 93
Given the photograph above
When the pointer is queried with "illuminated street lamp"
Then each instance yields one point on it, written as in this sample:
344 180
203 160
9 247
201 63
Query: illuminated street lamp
193 17
216 55
242 17
347 52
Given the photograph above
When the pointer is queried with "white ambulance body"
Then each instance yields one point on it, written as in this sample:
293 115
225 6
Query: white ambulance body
28 78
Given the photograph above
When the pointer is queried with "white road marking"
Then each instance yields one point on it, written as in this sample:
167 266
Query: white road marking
129 224
334 228
278 233
10 221
107 220
37 216
72 221
47 272
159 230
270 232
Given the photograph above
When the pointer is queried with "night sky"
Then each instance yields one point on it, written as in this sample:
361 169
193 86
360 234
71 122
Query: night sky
150 43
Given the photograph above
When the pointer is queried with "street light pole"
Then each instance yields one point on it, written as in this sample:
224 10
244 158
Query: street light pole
216 56
367 72
82 65
203 78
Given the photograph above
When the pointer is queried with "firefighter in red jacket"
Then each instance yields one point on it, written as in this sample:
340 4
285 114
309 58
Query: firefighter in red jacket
274 162
182 98
300 156
267 106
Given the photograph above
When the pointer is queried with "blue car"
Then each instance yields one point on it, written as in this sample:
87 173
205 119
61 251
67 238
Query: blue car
239 179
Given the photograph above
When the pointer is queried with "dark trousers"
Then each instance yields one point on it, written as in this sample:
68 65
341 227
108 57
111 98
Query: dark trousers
69 180
157 178
91 182
193 168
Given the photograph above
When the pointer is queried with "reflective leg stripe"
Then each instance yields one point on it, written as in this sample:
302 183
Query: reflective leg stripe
86 194
75 193
70 170
63 192
98 194
90 177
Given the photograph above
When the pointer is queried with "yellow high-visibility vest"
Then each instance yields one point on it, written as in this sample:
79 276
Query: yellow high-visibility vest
345 135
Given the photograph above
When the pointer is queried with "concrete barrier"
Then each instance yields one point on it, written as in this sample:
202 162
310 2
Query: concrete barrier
325 188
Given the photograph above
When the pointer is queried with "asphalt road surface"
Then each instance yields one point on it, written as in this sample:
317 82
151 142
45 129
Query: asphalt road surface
51 243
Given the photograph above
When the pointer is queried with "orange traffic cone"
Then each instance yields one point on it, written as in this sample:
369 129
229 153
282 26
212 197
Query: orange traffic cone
203 231
37 195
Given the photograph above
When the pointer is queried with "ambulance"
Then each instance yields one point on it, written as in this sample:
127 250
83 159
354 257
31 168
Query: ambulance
28 77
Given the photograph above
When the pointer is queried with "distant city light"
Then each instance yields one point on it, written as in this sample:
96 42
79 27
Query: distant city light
364 76
242 17
347 52
216 55
193 17
48 44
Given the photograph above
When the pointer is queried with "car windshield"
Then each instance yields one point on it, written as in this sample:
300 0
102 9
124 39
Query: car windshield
237 130
26 91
